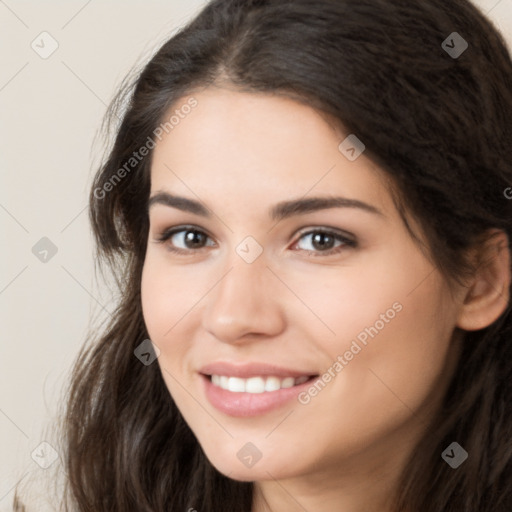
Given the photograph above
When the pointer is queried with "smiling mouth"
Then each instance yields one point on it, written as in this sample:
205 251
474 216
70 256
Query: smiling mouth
256 385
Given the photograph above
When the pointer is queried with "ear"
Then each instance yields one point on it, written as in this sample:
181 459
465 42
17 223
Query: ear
488 294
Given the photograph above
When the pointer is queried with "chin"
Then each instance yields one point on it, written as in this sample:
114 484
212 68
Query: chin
263 469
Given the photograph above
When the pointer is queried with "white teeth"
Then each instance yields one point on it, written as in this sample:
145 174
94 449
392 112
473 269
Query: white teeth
288 382
272 384
256 384
236 385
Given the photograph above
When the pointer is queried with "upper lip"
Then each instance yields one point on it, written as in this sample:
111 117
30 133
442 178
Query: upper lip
246 370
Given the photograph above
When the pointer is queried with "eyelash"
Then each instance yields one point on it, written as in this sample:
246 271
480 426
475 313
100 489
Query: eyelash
346 242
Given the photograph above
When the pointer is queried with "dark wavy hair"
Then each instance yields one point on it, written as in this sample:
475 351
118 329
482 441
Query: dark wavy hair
439 127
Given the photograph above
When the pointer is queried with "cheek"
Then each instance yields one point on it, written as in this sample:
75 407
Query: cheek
154 301
393 378
412 358
163 299
167 294
391 341
162 308
399 366
354 304
170 297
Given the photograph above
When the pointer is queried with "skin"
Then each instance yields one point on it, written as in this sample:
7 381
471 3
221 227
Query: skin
240 154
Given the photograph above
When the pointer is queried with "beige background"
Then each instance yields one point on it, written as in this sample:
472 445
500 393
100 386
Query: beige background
50 111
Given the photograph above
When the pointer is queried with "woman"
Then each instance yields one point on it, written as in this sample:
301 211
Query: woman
306 207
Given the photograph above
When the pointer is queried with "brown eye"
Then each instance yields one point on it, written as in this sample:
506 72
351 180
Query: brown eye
323 242
184 239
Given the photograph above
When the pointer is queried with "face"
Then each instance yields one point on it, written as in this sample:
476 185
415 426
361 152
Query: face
253 283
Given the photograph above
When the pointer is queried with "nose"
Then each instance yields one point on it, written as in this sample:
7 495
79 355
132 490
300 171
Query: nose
245 304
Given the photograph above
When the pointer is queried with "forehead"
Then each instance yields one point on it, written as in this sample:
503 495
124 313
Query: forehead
259 148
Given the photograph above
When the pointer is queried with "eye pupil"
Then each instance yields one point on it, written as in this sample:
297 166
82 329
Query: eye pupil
194 238
319 241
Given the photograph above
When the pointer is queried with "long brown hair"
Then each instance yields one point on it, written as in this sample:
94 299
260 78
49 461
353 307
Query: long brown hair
438 124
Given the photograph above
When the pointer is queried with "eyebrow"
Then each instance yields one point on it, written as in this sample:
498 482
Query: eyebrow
278 212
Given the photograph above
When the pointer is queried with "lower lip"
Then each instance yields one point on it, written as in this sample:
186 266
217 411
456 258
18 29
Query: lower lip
250 404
